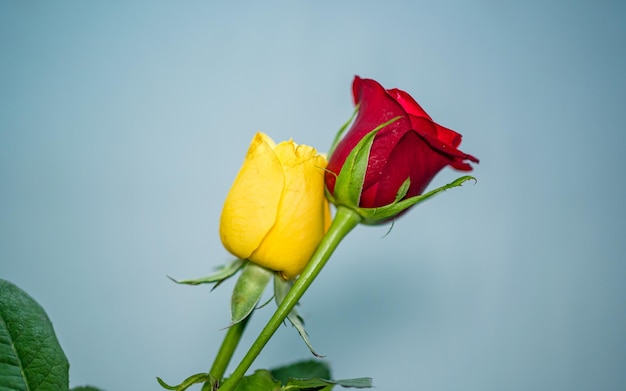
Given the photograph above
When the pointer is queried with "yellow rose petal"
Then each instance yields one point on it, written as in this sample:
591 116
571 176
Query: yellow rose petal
251 206
302 214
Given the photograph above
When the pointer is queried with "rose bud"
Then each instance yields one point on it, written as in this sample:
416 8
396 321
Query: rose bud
275 213
390 154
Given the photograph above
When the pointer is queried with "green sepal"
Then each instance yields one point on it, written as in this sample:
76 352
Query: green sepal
383 213
222 274
342 130
190 381
349 182
404 188
248 290
281 288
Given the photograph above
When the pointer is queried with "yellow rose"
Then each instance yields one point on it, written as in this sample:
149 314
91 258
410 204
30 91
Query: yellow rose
275 213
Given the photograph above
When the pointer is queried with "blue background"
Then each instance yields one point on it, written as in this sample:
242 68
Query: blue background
123 124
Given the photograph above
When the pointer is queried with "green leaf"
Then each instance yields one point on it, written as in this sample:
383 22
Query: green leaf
313 375
86 388
281 288
302 369
359 382
362 382
223 272
301 376
30 355
260 380
248 290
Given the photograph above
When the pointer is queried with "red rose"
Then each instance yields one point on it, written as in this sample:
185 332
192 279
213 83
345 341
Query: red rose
412 147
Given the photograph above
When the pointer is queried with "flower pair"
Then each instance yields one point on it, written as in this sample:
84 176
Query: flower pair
276 212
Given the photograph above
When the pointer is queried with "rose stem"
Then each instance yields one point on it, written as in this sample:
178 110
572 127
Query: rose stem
345 220
229 344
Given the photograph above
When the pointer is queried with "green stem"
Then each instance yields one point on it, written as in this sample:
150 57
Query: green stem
229 344
345 220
